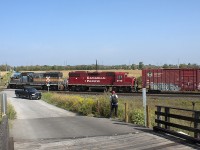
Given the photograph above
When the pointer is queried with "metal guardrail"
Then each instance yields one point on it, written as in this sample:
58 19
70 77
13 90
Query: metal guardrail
3 101
165 124
6 142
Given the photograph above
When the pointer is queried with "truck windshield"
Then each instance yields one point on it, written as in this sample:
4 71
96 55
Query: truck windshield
32 90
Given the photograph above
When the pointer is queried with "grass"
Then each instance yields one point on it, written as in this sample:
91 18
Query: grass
10 109
3 73
5 76
11 113
99 106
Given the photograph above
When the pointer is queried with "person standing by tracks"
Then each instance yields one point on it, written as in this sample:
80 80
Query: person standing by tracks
113 104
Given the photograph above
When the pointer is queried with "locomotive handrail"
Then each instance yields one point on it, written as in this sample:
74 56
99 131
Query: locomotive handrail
165 124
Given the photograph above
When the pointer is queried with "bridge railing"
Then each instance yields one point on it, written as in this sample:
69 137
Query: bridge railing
171 120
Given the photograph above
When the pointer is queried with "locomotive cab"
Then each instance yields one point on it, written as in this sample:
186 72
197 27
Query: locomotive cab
123 83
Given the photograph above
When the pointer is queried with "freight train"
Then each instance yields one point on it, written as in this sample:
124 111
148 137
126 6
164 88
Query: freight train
154 80
77 81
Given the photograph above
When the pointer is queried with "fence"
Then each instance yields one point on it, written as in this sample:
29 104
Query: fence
170 118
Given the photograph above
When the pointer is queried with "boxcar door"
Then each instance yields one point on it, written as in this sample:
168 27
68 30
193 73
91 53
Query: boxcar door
188 79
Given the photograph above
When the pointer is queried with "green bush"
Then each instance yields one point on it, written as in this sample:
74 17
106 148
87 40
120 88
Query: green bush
103 106
11 113
136 116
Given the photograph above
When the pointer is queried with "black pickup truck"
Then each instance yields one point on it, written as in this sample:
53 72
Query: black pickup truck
28 92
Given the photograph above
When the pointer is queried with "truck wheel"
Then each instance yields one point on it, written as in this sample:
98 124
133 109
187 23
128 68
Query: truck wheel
17 95
30 97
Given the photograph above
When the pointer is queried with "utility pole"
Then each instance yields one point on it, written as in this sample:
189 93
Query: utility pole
0 77
178 63
96 65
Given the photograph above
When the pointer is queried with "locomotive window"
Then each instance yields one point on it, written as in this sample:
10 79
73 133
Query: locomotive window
53 74
74 75
38 76
119 77
93 74
111 74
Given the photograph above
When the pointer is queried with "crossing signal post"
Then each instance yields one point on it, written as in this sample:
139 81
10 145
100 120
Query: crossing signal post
48 82
144 105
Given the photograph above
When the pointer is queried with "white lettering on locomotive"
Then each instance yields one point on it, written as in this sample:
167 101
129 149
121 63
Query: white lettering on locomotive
94 81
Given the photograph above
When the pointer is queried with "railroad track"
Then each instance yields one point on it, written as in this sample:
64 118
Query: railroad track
133 94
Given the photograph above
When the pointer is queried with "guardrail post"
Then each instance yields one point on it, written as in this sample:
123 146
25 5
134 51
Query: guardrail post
11 143
144 97
167 119
3 103
196 123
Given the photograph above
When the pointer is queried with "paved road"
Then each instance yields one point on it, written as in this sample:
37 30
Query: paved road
42 126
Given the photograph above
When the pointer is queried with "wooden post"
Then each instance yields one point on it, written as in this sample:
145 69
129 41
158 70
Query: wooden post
126 113
98 107
148 116
196 124
158 116
167 119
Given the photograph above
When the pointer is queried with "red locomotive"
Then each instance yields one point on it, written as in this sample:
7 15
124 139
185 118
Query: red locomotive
87 81
162 80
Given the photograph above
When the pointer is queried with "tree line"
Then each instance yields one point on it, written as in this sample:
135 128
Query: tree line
140 66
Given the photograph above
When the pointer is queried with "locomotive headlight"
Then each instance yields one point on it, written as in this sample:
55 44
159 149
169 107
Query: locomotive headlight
32 94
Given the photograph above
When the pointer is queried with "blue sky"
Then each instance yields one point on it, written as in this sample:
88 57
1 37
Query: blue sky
77 32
